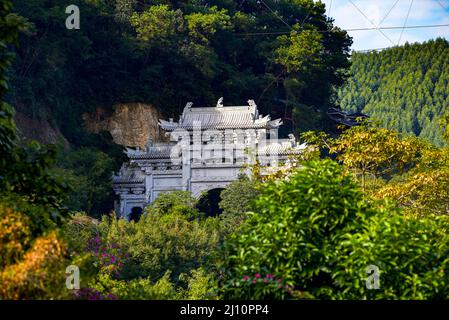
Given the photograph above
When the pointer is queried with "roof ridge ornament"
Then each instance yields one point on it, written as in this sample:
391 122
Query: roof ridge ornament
149 144
292 139
220 103
252 103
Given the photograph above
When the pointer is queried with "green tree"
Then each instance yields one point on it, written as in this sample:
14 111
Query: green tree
10 25
175 202
301 51
204 25
422 191
367 150
24 167
163 240
316 235
236 200
32 253
405 87
89 172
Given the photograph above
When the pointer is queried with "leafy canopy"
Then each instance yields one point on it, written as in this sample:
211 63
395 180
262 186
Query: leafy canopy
316 232
405 87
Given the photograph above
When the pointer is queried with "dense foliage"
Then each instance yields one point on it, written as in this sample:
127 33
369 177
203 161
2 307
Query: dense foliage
163 255
405 87
370 152
242 191
31 198
88 171
424 189
317 229
388 164
317 235
168 54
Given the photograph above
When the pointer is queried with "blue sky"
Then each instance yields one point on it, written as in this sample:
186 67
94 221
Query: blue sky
349 14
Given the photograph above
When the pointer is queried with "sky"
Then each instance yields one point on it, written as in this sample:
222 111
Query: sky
350 14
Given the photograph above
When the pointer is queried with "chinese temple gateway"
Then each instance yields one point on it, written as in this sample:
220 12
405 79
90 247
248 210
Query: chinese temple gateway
208 148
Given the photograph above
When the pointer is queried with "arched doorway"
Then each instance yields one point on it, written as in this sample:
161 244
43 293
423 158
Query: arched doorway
209 201
135 214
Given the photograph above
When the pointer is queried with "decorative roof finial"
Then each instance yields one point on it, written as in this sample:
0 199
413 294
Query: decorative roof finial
189 105
252 103
292 139
220 103
148 145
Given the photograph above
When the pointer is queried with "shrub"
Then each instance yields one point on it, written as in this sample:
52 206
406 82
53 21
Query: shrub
175 202
196 285
201 285
39 274
105 287
319 235
412 256
158 257
236 201
15 236
157 243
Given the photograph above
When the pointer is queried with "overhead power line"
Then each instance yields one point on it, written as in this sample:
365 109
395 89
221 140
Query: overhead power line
350 29
368 50
376 27
402 27
275 13
405 22
388 13
442 6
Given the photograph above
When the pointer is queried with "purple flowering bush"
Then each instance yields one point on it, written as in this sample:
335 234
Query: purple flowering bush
108 259
109 256
159 257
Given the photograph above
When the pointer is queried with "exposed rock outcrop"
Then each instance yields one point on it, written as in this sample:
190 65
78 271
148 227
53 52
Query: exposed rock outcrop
131 124
39 130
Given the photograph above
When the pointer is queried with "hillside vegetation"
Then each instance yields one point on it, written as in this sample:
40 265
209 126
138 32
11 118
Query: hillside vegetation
406 88
166 53
368 209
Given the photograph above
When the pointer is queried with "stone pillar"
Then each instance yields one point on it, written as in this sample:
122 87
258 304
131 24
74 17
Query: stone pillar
122 204
186 176
149 186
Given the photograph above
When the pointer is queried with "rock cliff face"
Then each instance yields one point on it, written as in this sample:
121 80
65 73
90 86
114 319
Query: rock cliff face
131 124
38 129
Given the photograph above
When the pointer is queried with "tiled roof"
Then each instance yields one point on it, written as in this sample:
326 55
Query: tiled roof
163 151
152 152
129 175
220 117
282 147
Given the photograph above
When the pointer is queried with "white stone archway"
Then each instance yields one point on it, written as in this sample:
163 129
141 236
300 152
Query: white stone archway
212 156
199 189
